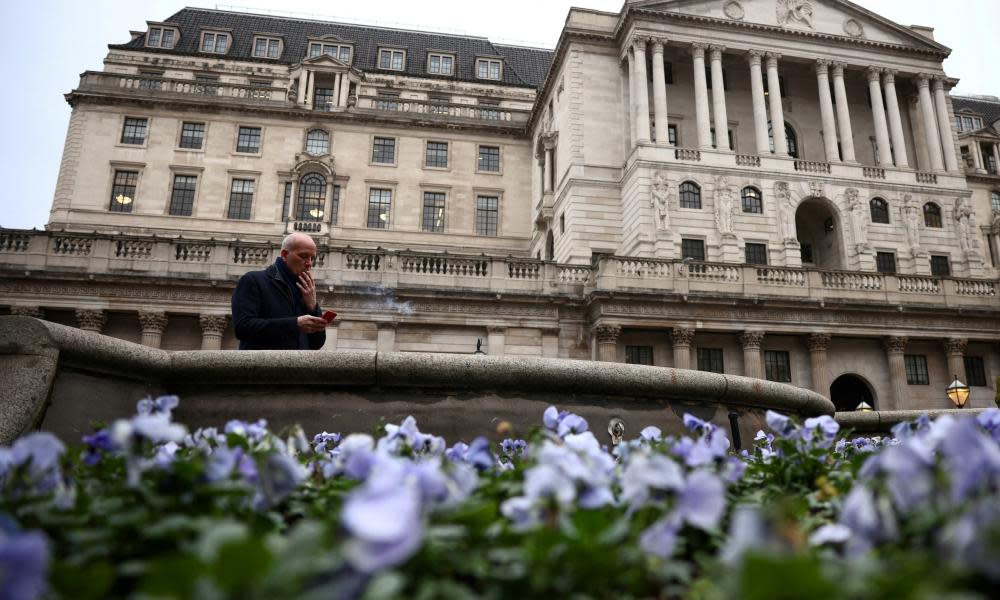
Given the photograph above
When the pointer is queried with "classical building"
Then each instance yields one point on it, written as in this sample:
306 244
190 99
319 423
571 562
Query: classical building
621 198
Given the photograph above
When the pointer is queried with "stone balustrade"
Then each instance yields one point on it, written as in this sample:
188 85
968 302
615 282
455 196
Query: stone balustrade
447 111
150 86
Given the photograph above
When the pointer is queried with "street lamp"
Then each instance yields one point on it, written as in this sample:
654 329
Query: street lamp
958 393
864 407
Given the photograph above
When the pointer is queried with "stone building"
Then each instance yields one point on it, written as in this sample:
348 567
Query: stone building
581 203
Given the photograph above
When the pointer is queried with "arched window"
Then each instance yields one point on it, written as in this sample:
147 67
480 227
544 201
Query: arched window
790 138
312 198
690 195
995 201
880 210
317 142
932 215
752 201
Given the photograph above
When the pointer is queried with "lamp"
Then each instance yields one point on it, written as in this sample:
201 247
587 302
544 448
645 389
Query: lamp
958 393
863 407
316 213
123 199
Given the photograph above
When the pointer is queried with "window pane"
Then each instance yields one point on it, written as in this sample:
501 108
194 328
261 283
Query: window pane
756 254
182 197
384 150
693 249
710 359
134 131
672 134
260 47
433 212
221 41
272 48
777 366
494 69
168 39
435 64
318 142
123 191
192 135
345 54
315 50
397 61
916 370
312 198
154 37
879 210
885 262
482 69
975 371
384 59
335 205
379 206
437 154
241 198
323 98
248 140
446 65
487 211
489 158
932 215
690 195
752 202
639 355
940 266
286 201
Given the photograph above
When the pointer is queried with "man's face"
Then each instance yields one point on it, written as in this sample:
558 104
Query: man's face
299 258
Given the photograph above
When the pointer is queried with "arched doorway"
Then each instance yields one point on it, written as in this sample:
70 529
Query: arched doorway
850 390
817 227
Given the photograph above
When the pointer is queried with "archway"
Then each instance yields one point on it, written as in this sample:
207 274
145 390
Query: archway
817 227
850 390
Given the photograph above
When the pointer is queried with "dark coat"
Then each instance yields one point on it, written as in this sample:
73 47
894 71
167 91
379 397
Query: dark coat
265 314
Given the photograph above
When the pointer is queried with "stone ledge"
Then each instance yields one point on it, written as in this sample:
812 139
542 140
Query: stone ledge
882 422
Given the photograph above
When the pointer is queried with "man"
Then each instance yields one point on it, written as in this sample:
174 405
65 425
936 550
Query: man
276 309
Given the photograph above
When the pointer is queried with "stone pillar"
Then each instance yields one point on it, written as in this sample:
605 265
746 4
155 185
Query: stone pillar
336 89
978 162
152 324
496 339
345 89
843 114
632 100
641 92
944 126
303 83
931 132
759 103
386 340
660 121
895 121
701 97
547 172
332 332
818 343
310 83
212 328
681 338
607 342
884 157
90 319
27 311
826 111
719 100
550 342
954 349
777 112
752 365
895 348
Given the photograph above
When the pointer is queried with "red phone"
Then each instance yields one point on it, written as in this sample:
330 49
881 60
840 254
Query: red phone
329 316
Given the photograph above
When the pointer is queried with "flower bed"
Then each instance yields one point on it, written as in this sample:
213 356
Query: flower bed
146 509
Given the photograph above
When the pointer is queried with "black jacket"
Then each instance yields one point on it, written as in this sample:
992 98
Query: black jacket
265 314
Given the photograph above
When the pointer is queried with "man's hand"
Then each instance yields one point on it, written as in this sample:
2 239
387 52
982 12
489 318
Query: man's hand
307 286
311 324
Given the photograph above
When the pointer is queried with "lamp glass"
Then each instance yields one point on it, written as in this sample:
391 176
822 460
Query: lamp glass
958 393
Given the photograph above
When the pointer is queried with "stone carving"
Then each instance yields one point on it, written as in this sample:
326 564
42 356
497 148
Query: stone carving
817 189
152 321
213 324
27 311
818 342
895 344
911 221
734 10
91 320
965 219
681 336
955 346
751 340
608 333
859 219
786 211
658 199
854 28
795 12
724 206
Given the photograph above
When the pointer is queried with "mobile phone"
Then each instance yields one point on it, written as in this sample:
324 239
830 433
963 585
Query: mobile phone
329 316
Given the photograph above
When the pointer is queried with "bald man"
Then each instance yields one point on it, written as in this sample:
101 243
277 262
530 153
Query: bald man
276 309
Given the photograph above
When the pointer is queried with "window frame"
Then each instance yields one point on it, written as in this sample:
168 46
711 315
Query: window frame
706 360
260 140
639 355
368 206
162 28
687 243
243 177
117 168
886 263
424 193
324 45
267 46
173 192
395 151
744 197
936 263
693 189
329 141
878 208
487 195
392 51
216 33
180 136
440 56
755 247
995 200
300 212
447 155
915 367
976 375
479 159
147 122
336 191
489 61
778 364
932 215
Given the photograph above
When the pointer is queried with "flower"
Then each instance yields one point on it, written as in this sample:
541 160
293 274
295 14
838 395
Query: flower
24 564
702 500
161 405
384 519
660 538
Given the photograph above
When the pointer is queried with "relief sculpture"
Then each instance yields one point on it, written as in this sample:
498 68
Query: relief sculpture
911 221
965 221
658 200
786 211
724 206
795 12
859 219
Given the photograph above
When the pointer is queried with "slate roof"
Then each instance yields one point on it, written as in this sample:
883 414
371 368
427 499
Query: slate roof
989 109
525 67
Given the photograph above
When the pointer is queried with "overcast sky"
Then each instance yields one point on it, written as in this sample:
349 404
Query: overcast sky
46 44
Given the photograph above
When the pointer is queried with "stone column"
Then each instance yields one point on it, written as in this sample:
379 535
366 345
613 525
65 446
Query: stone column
826 111
336 89
719 100
607 342
777 112
632 100
759 103
978 162
641 91
701 97
303 83
212 328
496 339
386 340
90 319
895 121
751 341
332 332
152 323
27 311
681 338
843 113
884 157
931 132
944 125
954 349
659 95
310 83
345 89
547 171
895 348
817 343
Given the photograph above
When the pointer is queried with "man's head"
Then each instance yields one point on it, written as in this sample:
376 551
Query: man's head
298 250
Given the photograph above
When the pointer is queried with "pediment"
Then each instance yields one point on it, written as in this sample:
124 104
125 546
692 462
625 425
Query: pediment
827 17
325 60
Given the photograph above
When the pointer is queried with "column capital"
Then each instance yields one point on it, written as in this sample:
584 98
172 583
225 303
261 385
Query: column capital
213 323
923 80
751 340
658 45
873 74
772 59
838 68
895 344
889 76
698 50
608 333
681 336
818 342
496 329
955 346
938 83
151 321
27 311
90 319
639 42
822 67
717 51
754 56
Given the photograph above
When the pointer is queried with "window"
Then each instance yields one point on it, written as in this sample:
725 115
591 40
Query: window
335 205
729 133
879 210
690 194
192 135
487 214
433 212
885 262
710 359
248 140
693 249
790 139
392 60
387 101
436 155
323 98
215 43
384 151
265 47
781 86
161 37
489 159
916 369
995 201
975 371
182 196
638 355
969 123
379 205
756 254
150 80
208 85
440 64
123 191
672 134
491 110
339 51
752 201
488 68
940 266
725 79
241 198
777 366
134 131
312 198
932 215
438 105
286 200
668 72
562 223
317 142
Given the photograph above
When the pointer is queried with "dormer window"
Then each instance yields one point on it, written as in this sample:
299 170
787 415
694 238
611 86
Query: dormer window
489 68
214 42
341 52
391 59
440 64
967 123
161 37
266 47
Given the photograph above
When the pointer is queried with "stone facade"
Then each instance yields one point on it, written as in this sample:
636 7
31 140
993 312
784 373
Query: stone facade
574 204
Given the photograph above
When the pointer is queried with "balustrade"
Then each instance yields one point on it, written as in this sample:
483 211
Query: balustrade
504 116
133 249
809 166
186 87
14 242
687 154
773 276
72 246
926 177
524 270
971 287
186 252
873 172
837 280
641 268
714 272
444 265
918 285
747 160
251 255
